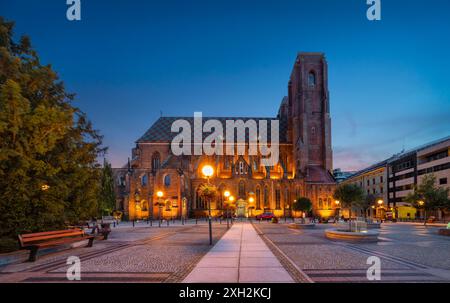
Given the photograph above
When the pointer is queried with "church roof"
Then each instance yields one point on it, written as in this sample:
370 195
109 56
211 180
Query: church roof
317 174
160 131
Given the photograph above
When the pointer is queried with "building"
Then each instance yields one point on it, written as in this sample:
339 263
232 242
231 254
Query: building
407 169
373 181
340 175
304 166
393 179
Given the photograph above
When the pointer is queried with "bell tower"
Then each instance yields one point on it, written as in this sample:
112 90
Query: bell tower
309 124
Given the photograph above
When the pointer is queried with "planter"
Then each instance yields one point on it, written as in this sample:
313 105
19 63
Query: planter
348 236
301 225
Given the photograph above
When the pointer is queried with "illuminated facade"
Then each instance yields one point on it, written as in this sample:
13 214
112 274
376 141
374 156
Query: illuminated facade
304 166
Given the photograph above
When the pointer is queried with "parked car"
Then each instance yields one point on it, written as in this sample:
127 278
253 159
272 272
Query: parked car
265 216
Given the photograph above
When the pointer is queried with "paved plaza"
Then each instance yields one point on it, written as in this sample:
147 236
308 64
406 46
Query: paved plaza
247 252
240 256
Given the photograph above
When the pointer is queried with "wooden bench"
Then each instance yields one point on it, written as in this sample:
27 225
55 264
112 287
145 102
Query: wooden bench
33 242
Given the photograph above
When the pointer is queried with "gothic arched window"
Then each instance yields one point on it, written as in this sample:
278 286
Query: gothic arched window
200 203
156 161
266 197
277 199
258 198
167 181
311 79
241 190
144 180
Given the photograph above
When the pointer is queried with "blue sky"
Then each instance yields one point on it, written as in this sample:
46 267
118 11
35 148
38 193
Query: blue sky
129 60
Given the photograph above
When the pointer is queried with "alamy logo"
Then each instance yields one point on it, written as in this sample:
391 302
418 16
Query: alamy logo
218 144
74 271
374 11
74 10
374 270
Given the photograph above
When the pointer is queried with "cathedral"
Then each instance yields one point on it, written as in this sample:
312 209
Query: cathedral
155 182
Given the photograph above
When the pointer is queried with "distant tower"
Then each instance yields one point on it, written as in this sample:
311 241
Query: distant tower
309 125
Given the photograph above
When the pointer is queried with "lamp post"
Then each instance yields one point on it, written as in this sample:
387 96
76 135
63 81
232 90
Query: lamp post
231 199
159 194
208 172
251 200
227 194
421 204
380 203
338 209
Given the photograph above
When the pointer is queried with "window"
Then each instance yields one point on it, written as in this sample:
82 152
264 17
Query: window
241 167
156 160
144 205
121 181
277 199
258 198
144 180
373 181
311 79
166 180
442 181
320 203
381 189
368 182
381 179
199 200
266 197
241 190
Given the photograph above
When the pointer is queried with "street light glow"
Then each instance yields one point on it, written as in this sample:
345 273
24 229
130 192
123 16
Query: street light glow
226 194
251 199
160 194
231 198
337 202
380 202
207 171
421 203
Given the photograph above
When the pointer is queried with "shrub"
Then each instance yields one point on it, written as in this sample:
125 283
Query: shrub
274 220
8 245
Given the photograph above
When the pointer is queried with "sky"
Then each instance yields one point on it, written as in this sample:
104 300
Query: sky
128 61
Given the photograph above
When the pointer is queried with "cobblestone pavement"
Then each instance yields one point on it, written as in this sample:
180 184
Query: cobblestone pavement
408 253
131 254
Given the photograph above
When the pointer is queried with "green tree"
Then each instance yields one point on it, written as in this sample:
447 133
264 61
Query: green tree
302 204
107 200
350 196
48 169
428 196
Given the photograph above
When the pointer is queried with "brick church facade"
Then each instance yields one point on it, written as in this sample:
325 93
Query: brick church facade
303 170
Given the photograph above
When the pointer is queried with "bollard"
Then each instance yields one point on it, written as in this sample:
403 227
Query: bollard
133 223
167 222
114 223
196 221
151 222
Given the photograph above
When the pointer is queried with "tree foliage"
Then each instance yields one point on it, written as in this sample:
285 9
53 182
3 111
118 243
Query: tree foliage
208 191
48 148
302 204
107 199
350 196
434 197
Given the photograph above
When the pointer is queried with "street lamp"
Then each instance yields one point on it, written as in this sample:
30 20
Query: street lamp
421 204
227 194
208 172
159 194
251 200
338 208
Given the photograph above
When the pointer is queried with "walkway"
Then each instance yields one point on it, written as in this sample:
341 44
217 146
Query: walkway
239 256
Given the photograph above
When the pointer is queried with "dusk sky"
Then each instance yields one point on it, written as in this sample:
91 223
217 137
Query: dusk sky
127 61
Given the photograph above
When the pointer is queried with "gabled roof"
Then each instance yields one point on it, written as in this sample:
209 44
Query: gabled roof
160 131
